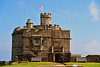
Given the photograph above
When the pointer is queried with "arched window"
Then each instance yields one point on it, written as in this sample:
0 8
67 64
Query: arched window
36 42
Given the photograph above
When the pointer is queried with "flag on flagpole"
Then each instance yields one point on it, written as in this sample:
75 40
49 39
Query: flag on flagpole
41 7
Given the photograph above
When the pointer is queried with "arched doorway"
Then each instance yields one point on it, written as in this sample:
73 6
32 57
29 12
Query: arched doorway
57 57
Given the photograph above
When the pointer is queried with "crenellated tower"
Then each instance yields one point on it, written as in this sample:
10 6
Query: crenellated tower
45 42
45 19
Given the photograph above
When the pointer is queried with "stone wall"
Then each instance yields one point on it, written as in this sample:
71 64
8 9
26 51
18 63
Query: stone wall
5 63
2 63
24 40
74 57
17 45
93 58
67 57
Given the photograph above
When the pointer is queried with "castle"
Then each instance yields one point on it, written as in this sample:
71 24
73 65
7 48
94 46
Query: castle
43 42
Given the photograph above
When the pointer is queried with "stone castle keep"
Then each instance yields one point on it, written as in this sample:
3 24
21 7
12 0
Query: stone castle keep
43 42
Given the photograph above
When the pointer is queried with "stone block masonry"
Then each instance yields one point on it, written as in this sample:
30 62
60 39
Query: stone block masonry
45 41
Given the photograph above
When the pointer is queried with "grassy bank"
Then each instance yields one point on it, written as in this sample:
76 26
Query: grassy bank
84 64
30 64
35 64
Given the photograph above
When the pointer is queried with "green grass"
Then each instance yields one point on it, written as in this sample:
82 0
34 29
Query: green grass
35 64
84 64
30 64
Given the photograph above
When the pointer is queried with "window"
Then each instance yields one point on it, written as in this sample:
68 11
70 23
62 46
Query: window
36 42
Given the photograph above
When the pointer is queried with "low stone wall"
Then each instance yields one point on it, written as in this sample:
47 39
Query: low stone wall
93 58
5 63
72 59
2 63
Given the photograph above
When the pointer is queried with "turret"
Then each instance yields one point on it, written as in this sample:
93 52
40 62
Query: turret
45 19
29 24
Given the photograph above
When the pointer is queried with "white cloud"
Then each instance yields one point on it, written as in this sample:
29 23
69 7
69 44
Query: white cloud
77 15
70 15
21 3
5 51
85 48
65 11
92 47
94 11
5 46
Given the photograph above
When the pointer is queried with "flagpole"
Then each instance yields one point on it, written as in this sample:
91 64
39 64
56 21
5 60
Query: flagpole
42 9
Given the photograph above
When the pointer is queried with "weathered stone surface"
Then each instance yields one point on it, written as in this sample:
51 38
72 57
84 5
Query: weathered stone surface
93 58
5 63
41 41
2 63
74 56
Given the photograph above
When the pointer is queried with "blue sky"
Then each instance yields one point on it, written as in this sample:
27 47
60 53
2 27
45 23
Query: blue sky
82 17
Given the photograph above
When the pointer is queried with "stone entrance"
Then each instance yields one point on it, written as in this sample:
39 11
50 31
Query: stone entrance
57 57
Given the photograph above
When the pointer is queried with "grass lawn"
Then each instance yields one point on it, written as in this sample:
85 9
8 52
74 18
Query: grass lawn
35 64
84 64
30 64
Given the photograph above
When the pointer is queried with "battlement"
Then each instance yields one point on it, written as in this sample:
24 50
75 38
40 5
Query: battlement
45 19
17 29
45 15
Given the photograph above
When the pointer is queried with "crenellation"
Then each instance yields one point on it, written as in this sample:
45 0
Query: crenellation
41 41
46 42
45 15
24 27
45 19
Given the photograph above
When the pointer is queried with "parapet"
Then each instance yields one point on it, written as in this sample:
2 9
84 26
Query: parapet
56 27
55 24
76 55
24 27
17 29
45 15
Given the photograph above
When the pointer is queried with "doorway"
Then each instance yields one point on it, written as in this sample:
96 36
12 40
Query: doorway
57 57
